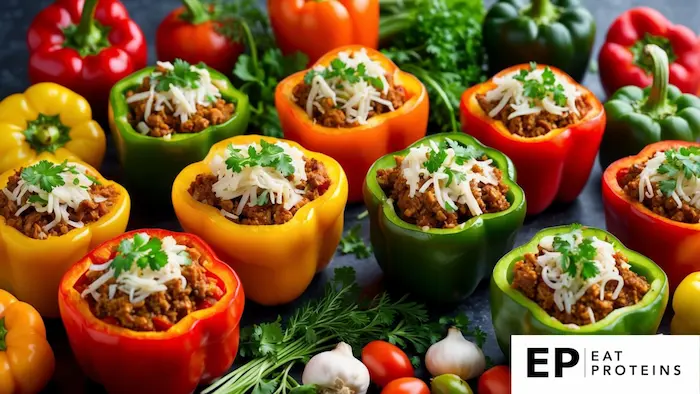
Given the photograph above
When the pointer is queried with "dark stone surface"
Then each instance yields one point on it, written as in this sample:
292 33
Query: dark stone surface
15 17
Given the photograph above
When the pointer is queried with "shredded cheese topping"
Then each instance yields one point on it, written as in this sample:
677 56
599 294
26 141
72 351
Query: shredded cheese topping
182 101
139 283
509 88
569 289
70 195
250 181
687 189
449 190
353 98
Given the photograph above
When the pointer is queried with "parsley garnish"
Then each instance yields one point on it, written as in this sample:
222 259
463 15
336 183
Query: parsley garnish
45 174
352 242
263 198
270 155
538 90
145 251
35 198
435 160
576 259
181 76
338 69
462 154
678 161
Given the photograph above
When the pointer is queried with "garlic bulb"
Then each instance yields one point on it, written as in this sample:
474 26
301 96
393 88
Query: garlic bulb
455 355
337 369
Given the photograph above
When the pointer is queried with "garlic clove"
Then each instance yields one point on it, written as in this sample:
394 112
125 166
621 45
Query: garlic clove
455 355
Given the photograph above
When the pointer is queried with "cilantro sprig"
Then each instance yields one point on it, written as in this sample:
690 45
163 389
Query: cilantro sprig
576 259
142 250
352 242
270 155
462 154
340 70
537 90
683 161
181 76
47 176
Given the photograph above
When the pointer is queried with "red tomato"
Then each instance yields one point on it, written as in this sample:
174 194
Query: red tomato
386 362
495 381
406 386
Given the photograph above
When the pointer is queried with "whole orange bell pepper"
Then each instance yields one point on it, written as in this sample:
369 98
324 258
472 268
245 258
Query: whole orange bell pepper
276 263
316 27
48 118
32 268
26 359
357 148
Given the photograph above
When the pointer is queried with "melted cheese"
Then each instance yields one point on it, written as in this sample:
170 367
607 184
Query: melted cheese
252 181
140 283
568 290
508 88
70 195
687 190
354 99
183 101
457 192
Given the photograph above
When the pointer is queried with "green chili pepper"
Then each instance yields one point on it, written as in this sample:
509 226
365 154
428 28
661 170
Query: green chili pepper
442 265
515 314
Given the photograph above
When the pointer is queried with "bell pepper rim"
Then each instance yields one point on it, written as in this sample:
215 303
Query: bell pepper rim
504 267
610 180
119 108
500 159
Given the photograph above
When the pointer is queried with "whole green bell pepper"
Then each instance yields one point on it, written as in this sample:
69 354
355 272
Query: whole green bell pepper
513 313
557 33
150 164
638 117
441 265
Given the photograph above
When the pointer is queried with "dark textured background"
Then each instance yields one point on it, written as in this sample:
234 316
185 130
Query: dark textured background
15 17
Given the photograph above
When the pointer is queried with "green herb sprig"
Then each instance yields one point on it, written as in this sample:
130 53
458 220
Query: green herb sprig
352 243
142 250
537 90
679 161
270 155
181 76
340 70
576 259
47 176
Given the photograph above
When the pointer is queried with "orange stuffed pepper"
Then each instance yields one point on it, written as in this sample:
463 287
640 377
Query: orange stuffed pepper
269 208
354 105
53 211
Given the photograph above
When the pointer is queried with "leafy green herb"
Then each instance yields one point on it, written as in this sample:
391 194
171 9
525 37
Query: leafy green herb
352 242
45 174
452 175
435 160
263 198
462 153
35 198
576 259
270 155
144 251
340 70
678 161
538 90
181 76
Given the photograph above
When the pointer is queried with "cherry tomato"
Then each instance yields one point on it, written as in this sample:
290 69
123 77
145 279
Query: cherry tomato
386 362
449 384
495 381
406 386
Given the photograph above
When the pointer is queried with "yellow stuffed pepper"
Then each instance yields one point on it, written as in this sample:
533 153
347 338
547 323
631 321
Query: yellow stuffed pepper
53 210
48 118
269 208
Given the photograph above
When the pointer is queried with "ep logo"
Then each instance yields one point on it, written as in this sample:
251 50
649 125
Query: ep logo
539 358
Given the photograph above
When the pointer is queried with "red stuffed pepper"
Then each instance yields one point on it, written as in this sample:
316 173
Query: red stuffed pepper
86 46
652 204
622 61
547 124
152 311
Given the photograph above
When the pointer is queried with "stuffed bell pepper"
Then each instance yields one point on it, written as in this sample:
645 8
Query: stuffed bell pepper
48 118
272 210
622 61
442 212
547 124
572 280
637 117
166 117
652 204
53 211
152 311
354 105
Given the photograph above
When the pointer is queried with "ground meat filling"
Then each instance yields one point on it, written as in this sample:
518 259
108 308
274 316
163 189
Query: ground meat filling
316 184
535 125
160 310
162 123
330 115
628 179
30 222
424 210
527 278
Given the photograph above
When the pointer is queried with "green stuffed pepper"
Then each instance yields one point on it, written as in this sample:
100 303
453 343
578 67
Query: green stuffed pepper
166 117
558 33
563 269
639 117
441 245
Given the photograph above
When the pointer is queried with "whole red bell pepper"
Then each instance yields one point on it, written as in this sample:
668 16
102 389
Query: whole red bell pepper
622 62
194 34
552 167
671 244
86 46
196 350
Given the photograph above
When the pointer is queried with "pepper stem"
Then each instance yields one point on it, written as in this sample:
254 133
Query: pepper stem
196 13
88 34
541 10
658 94
48 135
3 334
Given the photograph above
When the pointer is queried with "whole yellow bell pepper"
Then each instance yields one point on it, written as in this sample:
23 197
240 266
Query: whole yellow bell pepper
32 269
276 263
686 320
48 118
